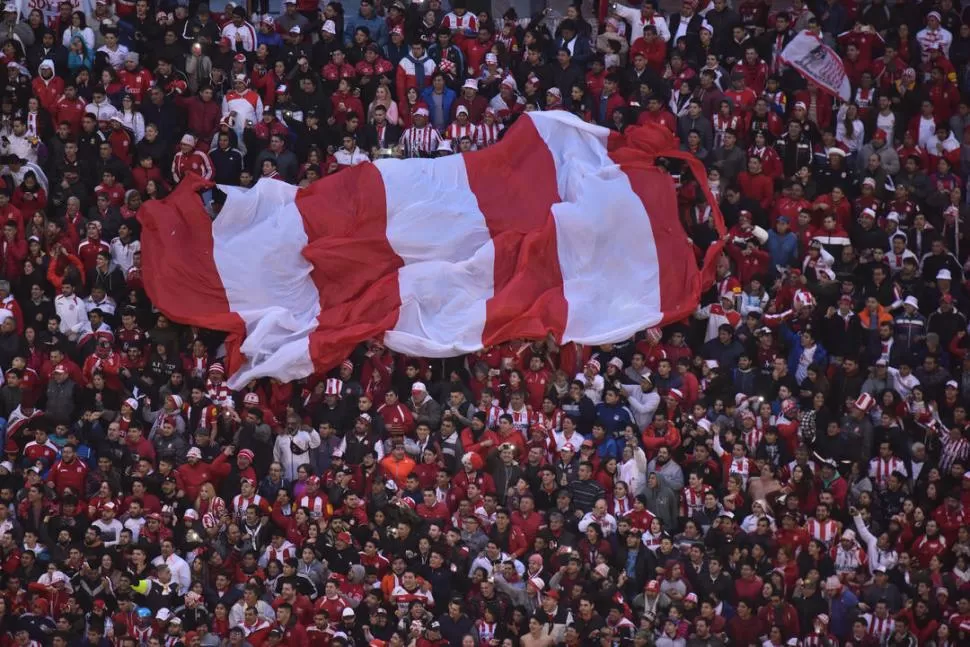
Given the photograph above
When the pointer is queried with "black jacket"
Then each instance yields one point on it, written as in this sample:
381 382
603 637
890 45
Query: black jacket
369 138
227 165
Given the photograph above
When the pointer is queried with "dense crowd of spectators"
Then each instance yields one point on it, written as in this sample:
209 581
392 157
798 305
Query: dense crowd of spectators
788 466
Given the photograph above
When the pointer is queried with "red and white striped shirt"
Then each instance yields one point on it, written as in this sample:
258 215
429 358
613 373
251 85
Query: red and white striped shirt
753 437
456 131
551 423
403 598
692 501
879 628
492 415
741 467
486 631
520 420
281 554
463 23
721 125
220 394
420 142
816 640
317 505
953 451
142 634
881 468
762 423
622 507
847 561
240 503
488 134
824 531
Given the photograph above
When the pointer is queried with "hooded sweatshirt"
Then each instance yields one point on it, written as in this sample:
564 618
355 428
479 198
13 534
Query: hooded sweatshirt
47 90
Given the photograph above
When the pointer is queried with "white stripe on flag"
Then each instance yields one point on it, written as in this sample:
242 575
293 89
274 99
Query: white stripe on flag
256 247
435 225
603 235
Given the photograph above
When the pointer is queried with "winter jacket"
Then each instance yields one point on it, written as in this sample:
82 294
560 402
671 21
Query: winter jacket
821 356
888 157
295 449
447 99
662 501
643 404
910 330
61 397
614 418
227 165
783 249
173 447
375 25
50 90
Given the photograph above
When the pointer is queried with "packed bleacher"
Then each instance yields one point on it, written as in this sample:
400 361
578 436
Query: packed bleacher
788 466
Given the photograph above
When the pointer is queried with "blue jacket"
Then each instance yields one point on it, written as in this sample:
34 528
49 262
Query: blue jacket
375 25
608 449
782 249
614 418
447 99
582 51
272 40
821 356
841 613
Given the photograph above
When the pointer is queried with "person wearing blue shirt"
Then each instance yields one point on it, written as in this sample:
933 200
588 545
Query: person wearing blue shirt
605 446
267 35
805 351
612 413
842 606
439 98
782 244
366 17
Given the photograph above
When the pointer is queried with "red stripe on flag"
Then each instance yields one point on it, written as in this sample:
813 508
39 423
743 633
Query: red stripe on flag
515 185
168 266
681 282
675 257
355 268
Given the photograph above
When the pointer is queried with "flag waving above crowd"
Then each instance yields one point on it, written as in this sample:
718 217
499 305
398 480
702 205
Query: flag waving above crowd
539 235
818 63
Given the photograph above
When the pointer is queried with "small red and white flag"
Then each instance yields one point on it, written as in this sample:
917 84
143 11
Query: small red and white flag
819 63
563 228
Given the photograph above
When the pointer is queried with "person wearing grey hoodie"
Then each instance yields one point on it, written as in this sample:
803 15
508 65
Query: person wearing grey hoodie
12 28
880 147
667 468
695 120
643 399
661 500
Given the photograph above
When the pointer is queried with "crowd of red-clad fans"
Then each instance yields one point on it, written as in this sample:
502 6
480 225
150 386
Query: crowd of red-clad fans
788 466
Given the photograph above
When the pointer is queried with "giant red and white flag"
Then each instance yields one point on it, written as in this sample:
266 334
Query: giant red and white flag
818 63
563 228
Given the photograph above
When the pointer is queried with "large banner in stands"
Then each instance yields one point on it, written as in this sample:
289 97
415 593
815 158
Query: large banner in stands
819 63
50 8
359 255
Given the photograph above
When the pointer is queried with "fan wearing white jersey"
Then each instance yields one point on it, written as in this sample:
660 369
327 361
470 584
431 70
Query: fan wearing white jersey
880 623
822 527
881 553
886 464
421 139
